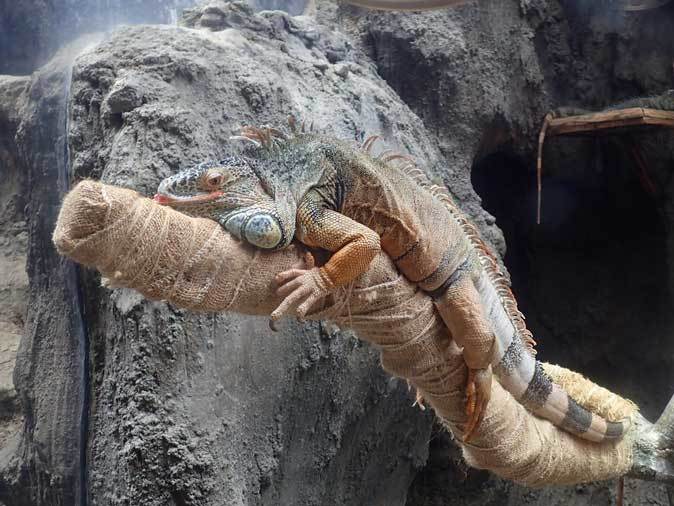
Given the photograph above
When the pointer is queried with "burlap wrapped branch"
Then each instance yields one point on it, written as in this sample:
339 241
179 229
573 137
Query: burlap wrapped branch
194 264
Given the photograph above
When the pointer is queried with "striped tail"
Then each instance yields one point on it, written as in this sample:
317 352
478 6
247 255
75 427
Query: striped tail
523 376
513 362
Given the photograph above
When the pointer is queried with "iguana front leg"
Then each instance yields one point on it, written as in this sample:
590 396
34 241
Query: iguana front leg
354 246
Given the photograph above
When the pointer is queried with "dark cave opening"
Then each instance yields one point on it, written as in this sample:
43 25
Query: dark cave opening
592 277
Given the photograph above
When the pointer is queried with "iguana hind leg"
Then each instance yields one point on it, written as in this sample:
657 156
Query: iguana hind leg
461 309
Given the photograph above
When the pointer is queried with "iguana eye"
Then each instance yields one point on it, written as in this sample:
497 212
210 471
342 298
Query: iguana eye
214 180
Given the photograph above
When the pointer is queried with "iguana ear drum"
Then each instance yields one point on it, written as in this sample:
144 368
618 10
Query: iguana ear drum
263 231
259 229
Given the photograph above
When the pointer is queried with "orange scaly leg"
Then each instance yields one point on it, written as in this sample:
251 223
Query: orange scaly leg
353 245
461 310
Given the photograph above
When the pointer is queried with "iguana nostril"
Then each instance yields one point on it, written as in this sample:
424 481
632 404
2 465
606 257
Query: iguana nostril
163 186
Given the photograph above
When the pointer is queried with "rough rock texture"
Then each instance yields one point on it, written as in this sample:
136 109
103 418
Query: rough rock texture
13 245
292 7
593 55
216 409
44 465
31 31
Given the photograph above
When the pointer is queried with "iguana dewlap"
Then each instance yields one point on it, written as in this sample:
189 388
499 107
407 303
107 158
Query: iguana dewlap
331 195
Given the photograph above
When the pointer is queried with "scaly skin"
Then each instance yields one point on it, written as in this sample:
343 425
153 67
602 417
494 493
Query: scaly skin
329 195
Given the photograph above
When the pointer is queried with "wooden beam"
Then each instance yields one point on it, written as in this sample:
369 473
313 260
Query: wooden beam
595 123
643 5
606 120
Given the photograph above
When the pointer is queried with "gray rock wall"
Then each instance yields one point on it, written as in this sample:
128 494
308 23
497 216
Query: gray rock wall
45 464
13 246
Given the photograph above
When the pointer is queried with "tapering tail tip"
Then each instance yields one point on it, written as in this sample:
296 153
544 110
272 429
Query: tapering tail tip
616 430
591 426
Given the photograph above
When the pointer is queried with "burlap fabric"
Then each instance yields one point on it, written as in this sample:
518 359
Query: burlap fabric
194 264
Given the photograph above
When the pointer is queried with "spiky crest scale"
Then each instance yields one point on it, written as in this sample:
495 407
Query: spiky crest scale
369 142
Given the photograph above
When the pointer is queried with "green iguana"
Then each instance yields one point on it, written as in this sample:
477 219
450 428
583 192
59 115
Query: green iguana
329 194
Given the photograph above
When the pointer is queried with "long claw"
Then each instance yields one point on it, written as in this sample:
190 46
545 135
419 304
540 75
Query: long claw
478 392
470 394
482 412
419 401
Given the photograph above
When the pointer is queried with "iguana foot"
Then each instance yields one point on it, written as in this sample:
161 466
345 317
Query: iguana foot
418 397
419 401
478 392
301 289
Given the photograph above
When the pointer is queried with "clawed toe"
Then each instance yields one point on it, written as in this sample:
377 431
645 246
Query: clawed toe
419 400
301 289
478 392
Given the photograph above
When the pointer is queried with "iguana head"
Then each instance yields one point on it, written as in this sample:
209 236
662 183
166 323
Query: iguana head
233 193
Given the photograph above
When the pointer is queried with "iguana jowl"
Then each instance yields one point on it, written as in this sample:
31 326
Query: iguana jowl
332 195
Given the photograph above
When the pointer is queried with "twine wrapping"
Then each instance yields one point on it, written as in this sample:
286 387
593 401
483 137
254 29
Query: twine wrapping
193 263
